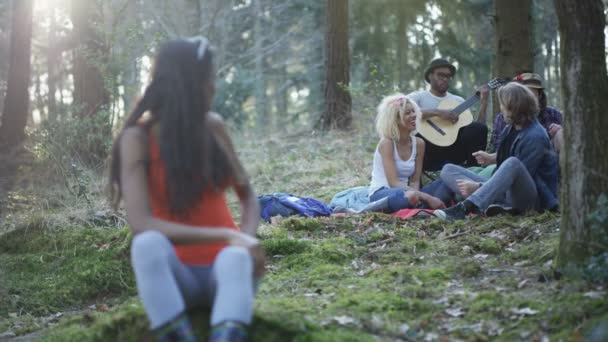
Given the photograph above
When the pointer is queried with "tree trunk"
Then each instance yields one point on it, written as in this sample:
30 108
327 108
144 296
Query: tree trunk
402 45
557 67
337 112
131 71
316 75
90 93
282 81
513 38
547 62
584 88
39 99
52 58
261 106
14 117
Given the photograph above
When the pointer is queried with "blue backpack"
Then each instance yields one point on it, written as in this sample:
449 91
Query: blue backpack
282 204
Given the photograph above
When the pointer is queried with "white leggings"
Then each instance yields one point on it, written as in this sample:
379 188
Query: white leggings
167 287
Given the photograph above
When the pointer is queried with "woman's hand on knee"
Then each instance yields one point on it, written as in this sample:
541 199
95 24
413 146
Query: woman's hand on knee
237 238
255 249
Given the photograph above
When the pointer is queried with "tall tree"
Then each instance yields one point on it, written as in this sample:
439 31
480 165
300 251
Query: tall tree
259 35
15 114
315 74
584 88
90 93
338 102
132 48
513 38
52 58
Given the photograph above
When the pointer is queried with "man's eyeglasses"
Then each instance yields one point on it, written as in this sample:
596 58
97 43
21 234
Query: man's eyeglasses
444 76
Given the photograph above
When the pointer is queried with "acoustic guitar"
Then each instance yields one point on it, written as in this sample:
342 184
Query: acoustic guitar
443 132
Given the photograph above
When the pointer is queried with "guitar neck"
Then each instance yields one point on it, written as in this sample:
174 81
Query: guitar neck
466 104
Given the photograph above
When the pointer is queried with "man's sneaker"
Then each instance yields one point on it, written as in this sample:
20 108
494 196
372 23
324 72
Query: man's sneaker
457 212
498 209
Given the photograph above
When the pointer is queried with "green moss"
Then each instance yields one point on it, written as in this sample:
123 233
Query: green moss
302 224
284 246
335 334
129 323
318 269
489 246
60 268
334 252
468 268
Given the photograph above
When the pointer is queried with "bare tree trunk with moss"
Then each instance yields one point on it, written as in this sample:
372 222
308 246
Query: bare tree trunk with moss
337 114
514 38
584 88
16 101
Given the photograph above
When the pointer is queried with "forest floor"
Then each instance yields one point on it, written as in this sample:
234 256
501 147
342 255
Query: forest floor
65 272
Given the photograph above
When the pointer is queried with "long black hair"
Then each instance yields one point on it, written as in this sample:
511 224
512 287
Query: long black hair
176 99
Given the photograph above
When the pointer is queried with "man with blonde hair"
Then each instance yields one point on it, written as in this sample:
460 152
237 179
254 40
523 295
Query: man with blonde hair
549 117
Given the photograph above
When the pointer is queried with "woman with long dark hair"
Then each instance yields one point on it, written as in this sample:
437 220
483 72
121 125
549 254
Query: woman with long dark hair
171 165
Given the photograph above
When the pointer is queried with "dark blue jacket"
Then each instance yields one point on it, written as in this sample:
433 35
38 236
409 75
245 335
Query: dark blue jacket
532 147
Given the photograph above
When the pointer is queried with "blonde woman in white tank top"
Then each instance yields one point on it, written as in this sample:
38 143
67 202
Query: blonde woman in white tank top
397 164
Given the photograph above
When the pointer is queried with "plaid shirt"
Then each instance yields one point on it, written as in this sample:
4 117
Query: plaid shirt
546 117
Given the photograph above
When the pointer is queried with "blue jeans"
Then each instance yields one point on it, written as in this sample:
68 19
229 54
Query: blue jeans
166 286
439 189
396 198
510 185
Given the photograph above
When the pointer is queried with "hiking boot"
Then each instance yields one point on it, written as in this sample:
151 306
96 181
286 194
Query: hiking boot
229 331
498 209
456 212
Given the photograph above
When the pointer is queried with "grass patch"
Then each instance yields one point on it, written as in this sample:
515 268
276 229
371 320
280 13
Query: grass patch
51 270
360 277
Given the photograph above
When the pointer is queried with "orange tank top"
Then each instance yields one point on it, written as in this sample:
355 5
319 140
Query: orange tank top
210 211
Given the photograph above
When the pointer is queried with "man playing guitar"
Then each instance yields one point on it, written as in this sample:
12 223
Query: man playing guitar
472 137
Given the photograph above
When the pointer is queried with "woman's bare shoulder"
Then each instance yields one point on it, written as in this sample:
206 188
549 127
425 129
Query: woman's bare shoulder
215 119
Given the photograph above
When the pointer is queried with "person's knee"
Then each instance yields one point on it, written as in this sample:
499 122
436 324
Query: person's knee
513 163
398 201
447 170
233 258
150 247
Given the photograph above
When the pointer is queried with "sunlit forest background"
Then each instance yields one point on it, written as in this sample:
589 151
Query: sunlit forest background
269 53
